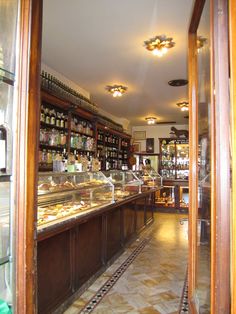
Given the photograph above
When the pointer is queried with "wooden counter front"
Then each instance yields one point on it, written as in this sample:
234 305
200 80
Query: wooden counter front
72 254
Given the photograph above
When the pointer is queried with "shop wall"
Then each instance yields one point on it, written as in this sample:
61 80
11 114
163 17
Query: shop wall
156 132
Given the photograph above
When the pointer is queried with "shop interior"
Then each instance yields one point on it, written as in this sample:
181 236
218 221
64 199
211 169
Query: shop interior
113 144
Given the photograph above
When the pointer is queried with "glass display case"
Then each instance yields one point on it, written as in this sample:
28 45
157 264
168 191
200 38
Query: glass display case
62 195
150 178
174 158
126 183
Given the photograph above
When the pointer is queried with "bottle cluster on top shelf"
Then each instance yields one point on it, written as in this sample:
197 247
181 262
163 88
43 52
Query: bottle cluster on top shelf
51 83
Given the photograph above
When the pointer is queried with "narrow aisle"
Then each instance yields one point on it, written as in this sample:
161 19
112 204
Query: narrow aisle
150 276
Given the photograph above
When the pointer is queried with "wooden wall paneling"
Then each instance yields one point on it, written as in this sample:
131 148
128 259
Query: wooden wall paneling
113 232
55 271
220 198
88 250
193 155
28 64
232 41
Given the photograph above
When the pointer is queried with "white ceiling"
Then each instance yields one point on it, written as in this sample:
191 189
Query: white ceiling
100 42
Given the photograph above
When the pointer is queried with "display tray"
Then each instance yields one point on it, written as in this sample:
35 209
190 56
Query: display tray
49 215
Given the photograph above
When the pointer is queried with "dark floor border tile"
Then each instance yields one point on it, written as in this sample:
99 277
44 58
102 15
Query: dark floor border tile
184 309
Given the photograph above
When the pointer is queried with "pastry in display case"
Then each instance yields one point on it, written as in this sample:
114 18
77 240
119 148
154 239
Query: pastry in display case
126 183
150 178
62 195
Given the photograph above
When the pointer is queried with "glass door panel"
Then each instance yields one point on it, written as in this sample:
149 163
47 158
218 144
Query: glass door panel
8 110
203 262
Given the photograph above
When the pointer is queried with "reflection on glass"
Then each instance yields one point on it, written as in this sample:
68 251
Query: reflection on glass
8 27
204 164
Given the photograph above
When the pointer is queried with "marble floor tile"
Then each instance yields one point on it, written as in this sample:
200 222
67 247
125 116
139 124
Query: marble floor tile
153 282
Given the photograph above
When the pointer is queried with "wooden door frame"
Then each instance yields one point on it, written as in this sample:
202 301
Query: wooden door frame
220 158
232 41
28 103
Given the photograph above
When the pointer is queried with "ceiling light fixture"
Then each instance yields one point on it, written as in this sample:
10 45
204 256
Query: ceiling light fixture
151 120
159 45
183 105
116 90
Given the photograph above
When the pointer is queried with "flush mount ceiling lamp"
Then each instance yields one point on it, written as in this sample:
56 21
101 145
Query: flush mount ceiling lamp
183 105
159 45
201 41
116 90
151 120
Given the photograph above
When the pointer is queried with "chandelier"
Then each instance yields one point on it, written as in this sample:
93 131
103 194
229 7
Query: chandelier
159 45
116 90
183 105
151 120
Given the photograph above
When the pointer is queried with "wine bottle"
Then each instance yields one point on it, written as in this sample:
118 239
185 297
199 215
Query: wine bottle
3 149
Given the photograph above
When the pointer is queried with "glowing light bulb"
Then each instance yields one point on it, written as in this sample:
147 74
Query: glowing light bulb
164 50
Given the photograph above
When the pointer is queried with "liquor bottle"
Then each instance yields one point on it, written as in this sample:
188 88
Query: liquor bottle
42 116
64 160
3 149
53 117
47 116
62 121
58 119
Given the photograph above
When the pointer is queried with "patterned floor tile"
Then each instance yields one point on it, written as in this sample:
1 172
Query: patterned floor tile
148 278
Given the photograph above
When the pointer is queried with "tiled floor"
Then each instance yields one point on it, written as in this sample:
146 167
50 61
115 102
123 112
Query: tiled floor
150 274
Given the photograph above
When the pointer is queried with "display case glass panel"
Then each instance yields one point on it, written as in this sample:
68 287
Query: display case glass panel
166 197
150 178
126 183
184 196
168 158
174 159
62 195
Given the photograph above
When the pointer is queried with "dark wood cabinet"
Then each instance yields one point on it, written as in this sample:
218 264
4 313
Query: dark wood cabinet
55 271
140 213
114 236
88 249
129 218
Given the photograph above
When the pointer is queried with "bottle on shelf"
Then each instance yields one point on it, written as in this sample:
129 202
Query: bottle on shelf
58 119
53 117
64 160
42 115
47 116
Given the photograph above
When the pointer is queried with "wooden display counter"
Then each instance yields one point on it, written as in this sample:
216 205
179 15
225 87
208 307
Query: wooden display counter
72 254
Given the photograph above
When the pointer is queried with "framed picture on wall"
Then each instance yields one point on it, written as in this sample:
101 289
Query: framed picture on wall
139 135
150 145
136 147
